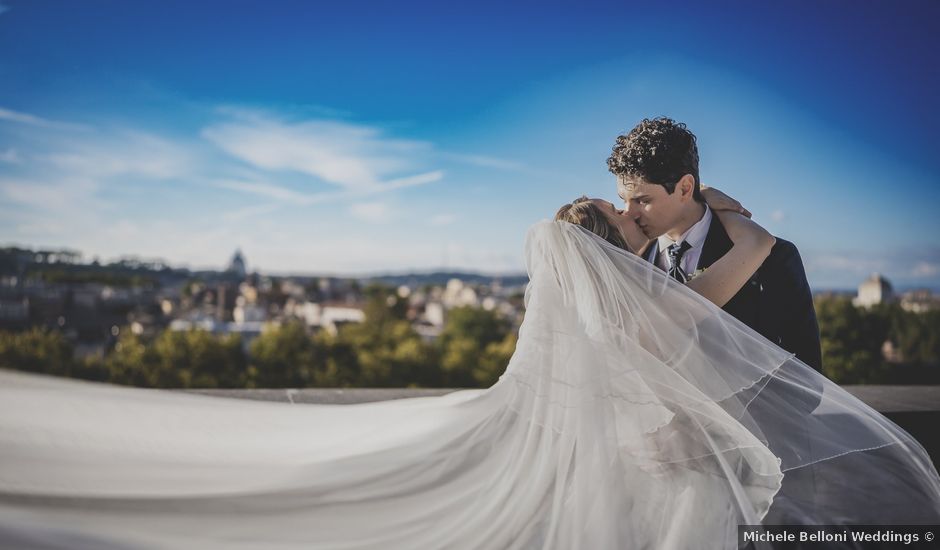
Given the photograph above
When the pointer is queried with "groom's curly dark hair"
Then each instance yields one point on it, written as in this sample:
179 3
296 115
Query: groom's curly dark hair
659 150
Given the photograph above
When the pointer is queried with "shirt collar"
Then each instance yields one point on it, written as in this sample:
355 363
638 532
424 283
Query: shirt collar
694 235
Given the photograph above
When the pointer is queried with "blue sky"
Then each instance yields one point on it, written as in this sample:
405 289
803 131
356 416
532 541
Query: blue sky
357 137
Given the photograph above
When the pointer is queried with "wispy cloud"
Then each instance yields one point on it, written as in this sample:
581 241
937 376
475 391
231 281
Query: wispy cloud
8 115
286 194
23 118
411 181
777 216
60 197
266 190
247 177
925 269
902 265
861 265
371 212
339 153
247 212
125 153
442 219
10 155
484 161
4 8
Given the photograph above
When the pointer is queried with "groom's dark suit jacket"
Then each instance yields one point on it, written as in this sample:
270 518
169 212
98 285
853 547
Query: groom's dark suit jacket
776 301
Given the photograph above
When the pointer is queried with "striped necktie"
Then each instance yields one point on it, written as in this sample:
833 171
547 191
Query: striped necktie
675 252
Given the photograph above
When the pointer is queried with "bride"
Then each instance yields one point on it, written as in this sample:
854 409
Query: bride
634 414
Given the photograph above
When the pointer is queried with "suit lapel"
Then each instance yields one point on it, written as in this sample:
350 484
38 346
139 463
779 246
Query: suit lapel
717 244
651 253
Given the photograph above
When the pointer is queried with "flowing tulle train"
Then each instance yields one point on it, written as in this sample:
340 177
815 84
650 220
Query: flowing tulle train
633 414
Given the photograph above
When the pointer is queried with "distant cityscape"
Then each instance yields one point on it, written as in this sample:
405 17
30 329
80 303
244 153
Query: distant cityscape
92 303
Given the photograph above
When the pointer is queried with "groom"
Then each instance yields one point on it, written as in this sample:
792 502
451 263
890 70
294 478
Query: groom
656 165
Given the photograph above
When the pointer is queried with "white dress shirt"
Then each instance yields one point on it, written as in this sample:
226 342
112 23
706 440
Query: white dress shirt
695 236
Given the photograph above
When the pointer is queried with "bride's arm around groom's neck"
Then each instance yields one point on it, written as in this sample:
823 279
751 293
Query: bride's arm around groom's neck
752 245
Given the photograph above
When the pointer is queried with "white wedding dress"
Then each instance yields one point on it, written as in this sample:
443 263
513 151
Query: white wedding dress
634 414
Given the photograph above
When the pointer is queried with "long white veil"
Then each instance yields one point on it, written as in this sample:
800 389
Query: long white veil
633 414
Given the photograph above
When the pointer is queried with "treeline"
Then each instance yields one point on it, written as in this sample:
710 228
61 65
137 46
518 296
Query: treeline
383 351
472 351
83 275
853 343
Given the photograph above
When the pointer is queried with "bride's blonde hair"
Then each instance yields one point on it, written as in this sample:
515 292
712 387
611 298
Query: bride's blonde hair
583 212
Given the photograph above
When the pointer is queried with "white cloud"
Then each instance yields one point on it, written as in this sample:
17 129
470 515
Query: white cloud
777 216
4 8
278 192
442 219
339 153
474 258
372 212
410 181
862 264
61 197
263 189
249 212
125 153
485 161
33 120
903 266
924 269
23 118
200 200
10 155
375 252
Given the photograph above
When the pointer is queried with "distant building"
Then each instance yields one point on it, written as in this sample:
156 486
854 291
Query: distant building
57 256
237 265
874 290
331 317
14 312
248 330
427 332
249 292
293 288
328 316
457 294
919 301
434 314
891 352
246 312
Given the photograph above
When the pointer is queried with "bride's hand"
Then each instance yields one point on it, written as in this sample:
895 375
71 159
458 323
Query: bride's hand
718 201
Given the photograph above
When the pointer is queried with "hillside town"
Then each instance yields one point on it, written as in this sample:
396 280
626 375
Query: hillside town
92 304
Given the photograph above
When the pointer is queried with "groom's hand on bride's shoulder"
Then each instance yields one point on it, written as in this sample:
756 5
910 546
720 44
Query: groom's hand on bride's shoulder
717 200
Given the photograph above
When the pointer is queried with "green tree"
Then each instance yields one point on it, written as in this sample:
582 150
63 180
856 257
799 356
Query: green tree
132 362
388 351
467 360
851 340
286 357
36 350
178 359
494 361
201 359
917 335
